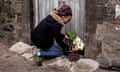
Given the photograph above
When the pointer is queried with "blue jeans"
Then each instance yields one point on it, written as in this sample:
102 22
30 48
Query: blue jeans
54 51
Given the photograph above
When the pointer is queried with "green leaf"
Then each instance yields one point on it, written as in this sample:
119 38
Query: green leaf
72 35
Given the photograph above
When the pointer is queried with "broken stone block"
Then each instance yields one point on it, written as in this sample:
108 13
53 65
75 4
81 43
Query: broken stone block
20 48
86 65
104 62
27 56
116 63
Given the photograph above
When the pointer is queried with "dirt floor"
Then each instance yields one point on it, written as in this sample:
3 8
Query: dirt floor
10 62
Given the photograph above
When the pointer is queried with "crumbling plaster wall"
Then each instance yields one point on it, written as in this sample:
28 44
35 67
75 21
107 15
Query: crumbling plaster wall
97 12
14 22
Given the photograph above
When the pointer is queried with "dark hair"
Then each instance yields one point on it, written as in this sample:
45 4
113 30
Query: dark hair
65 10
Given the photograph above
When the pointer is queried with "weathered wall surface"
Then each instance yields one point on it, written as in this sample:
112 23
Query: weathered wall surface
108 34
14 22
7 16
97 11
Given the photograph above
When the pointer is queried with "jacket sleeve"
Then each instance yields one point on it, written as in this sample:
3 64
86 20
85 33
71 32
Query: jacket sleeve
56 29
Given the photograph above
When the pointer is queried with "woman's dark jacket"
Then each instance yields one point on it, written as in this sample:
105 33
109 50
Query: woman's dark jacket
46 32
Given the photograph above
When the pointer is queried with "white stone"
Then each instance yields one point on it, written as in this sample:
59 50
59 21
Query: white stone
27 56
87 65
20 47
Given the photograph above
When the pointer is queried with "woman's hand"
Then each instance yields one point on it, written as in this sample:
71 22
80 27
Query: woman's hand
67 37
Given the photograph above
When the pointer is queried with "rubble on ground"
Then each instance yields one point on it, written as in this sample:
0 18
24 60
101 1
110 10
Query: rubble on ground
61 63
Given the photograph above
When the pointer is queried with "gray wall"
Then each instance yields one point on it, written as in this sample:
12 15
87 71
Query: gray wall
15 13
43 7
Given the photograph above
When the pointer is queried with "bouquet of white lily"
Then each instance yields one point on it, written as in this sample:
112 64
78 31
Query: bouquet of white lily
78 44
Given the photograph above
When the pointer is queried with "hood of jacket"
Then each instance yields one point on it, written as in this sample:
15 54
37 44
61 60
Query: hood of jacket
54 15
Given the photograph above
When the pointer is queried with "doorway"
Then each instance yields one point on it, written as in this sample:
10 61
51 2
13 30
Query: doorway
43 7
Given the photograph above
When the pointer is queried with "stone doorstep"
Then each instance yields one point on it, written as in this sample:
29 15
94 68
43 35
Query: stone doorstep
82 65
